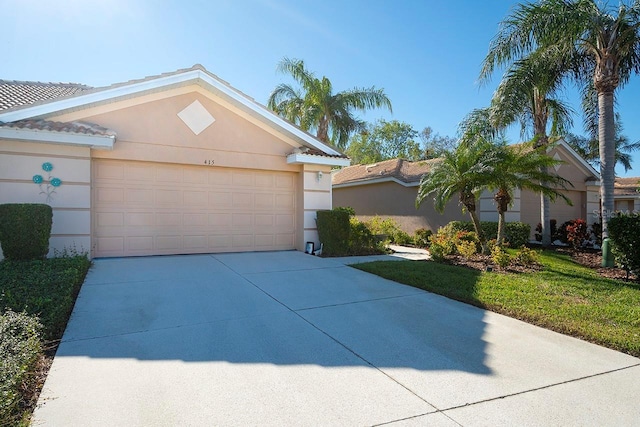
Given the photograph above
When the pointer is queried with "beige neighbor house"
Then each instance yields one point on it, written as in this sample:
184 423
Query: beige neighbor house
627 194
389 189
172 164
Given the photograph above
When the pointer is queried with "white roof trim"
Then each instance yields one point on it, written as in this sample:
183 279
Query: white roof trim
377 181
156 83
100 142
301 158
578 157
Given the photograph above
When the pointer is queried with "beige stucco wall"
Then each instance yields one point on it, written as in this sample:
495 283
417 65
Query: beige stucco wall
316 195
390 199
20 161
149 129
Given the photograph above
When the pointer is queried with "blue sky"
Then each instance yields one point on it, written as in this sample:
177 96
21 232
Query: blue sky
425 54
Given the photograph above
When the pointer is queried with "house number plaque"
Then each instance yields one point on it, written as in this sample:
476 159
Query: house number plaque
209 162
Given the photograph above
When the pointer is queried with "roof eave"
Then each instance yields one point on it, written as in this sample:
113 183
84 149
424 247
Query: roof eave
369 181
127 90
309 159
99 142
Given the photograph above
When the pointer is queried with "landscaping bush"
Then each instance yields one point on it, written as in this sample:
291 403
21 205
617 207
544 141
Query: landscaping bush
362 241
46 288
422 237
624 231
19 351
390 228
516 233
449 241
500 257
333 230
577 232
526 257
25 230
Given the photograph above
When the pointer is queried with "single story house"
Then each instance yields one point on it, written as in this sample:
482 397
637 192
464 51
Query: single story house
176 163
389 189
626 194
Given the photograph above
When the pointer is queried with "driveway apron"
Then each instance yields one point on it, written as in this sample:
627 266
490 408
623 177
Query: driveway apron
285 338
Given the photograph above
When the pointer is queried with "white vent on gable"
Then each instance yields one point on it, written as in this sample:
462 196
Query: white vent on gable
196 117
557 157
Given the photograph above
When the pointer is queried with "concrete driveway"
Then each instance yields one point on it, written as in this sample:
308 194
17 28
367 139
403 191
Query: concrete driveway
285 338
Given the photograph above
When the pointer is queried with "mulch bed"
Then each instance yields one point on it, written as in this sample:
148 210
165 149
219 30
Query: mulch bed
589 258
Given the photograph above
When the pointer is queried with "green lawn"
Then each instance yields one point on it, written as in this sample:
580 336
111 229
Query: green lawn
36 300
564 296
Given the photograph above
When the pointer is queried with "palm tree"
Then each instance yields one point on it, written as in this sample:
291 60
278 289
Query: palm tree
314 106
588 147
460 172
526 95
600 46
522 167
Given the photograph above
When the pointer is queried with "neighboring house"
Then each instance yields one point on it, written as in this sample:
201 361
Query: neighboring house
627 194
172 164
389 189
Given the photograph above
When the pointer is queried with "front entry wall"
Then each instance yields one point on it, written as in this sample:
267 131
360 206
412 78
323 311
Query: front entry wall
144 208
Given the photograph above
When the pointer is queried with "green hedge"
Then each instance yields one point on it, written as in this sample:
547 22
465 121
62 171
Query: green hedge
333 231
25 230
624 232
19 350
516 233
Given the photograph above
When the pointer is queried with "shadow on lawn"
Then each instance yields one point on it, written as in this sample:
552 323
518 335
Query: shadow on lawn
222 315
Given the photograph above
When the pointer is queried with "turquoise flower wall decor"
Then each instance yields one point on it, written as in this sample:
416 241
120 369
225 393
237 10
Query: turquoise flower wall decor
47 187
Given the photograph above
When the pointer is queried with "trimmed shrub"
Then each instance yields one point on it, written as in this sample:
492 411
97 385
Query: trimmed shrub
422 237
25 230
333 230
624 231
517 233
19 350
362 241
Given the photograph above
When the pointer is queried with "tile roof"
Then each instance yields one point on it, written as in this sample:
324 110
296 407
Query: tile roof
400 169
17 93
627 186
69 127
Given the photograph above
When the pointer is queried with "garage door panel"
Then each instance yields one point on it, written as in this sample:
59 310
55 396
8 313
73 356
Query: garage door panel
220 199
139 196
145 209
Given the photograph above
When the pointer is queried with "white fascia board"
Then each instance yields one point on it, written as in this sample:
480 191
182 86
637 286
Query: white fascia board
579 158
377 181
93 141
309 159
134 88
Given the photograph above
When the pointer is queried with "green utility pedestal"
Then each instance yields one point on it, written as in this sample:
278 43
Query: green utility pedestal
607 256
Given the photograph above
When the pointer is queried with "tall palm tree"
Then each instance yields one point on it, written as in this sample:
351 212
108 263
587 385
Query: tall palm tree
599 44
526 95
521 167
314 106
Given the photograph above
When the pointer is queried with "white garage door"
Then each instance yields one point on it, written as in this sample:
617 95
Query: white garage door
142 208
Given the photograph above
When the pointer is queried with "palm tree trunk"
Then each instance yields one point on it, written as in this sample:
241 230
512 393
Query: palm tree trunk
606 139
545 219
502 199
323 129
469 202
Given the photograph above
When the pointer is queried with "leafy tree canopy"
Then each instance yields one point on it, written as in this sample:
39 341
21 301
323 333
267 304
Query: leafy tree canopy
384 140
